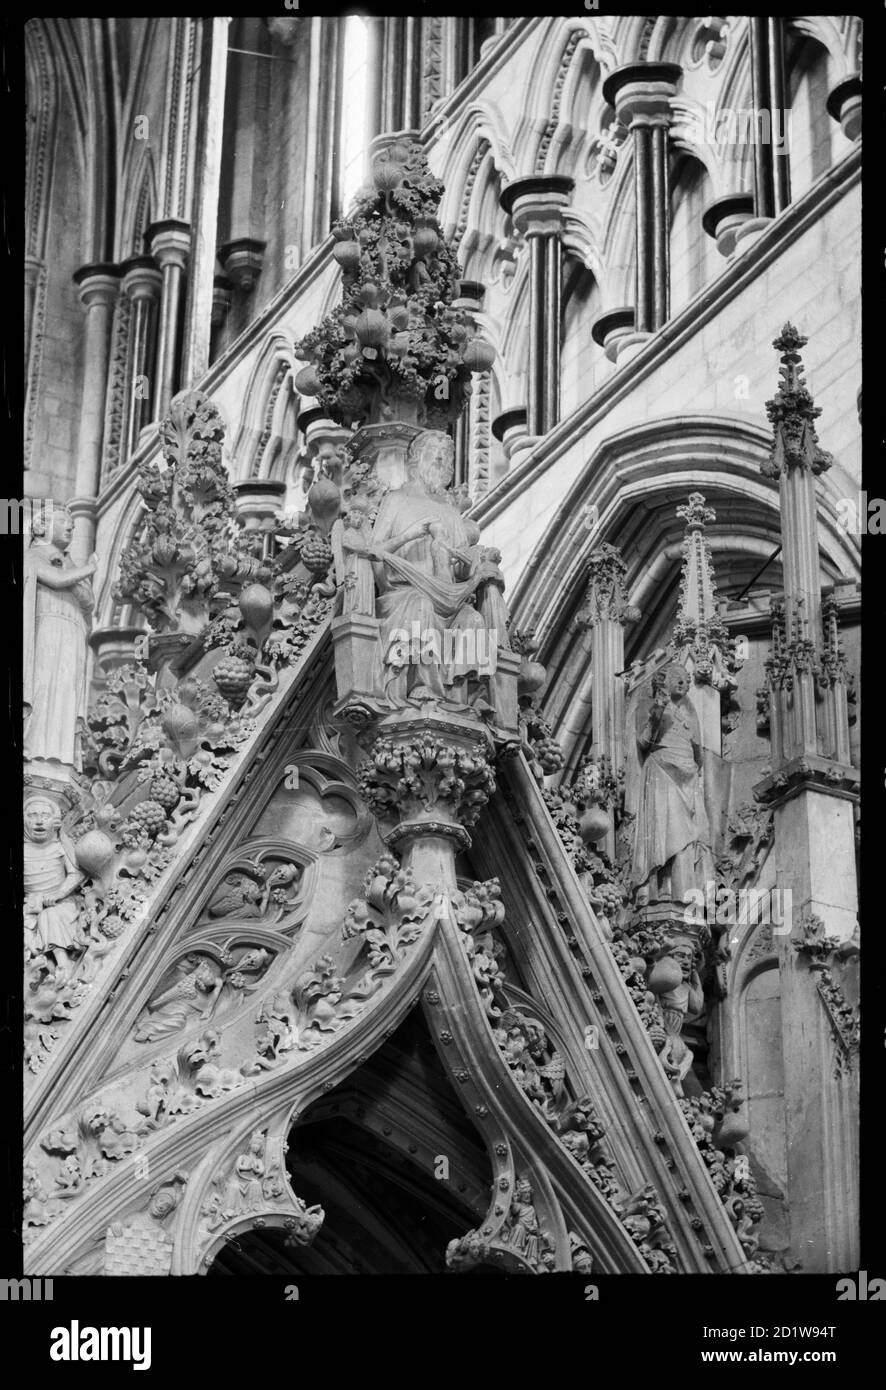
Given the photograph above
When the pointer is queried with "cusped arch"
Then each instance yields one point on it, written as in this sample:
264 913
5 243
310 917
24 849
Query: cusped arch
266 442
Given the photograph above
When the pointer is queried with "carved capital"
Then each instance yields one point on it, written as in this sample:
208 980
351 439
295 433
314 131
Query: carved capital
792 413
606 598
428 781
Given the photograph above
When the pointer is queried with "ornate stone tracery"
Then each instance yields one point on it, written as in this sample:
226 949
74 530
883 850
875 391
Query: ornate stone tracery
252 856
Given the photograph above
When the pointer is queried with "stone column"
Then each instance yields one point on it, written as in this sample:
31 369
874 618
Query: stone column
772 182
641 94
170 243
98 286
536 205
401 69
375 76
142 282
210 127
470 299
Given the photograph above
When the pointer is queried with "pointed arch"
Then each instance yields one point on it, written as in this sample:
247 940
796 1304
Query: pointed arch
266 442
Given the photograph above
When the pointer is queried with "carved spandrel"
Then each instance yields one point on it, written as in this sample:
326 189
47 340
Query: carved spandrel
201 988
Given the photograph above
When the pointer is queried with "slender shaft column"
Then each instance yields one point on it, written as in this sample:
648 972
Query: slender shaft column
211 109
375 77
536 204
470 299
772 185
641 94
778 106
392 73
142 282
98 286
605 612
170 244
410 78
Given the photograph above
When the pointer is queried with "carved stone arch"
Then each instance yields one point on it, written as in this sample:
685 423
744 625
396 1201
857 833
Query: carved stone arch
520 1143
840 40
73 44
694 259
42 93
734 78
814 63
575 112
582 240
720 453
177 155
618 239
277 447
138 203
514 337
250 857
582 301
268 1199
633 35
690 121
538 123
478 234
266 434
42 100
668 39
480 124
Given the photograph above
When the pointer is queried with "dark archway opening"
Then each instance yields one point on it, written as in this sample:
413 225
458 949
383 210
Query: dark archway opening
395 1163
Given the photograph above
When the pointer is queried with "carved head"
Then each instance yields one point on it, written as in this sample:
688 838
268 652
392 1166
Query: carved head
41 819
54 525
684 954
677 681
430 460
205 976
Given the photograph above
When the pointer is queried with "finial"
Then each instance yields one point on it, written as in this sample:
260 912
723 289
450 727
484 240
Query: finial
792 412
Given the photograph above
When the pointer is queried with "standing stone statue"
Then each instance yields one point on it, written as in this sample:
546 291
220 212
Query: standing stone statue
430 574
672 846
51 878
58 600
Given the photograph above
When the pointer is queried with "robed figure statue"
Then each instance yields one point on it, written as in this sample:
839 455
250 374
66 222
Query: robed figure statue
58 600
434 584
672 845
